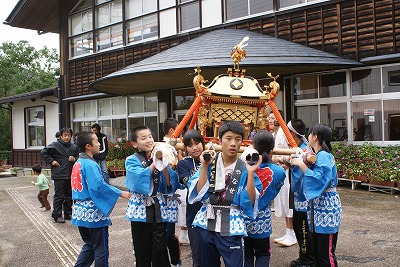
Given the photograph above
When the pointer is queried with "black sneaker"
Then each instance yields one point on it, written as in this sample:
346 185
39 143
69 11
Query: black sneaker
59 220
67 217
297 263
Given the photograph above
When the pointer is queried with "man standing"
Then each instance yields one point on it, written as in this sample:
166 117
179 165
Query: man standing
101 157
61 155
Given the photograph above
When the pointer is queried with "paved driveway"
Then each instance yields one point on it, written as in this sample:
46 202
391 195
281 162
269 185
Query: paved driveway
369 235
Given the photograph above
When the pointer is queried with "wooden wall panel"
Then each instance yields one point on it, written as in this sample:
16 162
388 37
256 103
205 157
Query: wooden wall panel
331 25
353 29
348 29
298 26
28 158
314 28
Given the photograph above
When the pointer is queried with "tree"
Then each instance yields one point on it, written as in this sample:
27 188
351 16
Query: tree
23 69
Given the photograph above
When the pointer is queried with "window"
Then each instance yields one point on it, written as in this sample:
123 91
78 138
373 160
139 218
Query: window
109 13
82 126
189 16
150 122
80 29
118 106
150 102
106 15
136 8
104 107
335 116
236 9
309 115
35 129
81 45
259 6
366 81
142 28
391 79
391 110
182 99
305 87
115 129
287 3
143 103
119 130
367 121
242 8
81 22
143 110
109 37
84 109
333 85
136 104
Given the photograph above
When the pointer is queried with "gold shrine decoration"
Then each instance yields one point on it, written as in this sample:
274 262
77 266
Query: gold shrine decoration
238 53
232 96
232 112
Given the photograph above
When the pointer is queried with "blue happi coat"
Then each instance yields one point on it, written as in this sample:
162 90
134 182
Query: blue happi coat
140 183
300 201
241 206
324 210
94 198
272 178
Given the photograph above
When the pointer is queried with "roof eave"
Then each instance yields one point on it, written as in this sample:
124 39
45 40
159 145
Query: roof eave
30 95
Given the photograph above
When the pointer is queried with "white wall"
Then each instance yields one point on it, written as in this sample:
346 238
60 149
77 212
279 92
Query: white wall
18 120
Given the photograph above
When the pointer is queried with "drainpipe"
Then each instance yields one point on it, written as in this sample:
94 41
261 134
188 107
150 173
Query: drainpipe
59 102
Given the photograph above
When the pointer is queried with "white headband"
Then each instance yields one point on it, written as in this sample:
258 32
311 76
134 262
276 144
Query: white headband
289 125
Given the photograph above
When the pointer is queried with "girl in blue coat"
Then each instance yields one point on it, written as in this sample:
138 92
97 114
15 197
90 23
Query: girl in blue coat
319 183
194 145
257 243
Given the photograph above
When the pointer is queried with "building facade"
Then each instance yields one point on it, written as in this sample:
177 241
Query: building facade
100 37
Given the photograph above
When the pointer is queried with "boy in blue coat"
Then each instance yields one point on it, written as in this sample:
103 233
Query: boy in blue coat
229 189
147 209
94 201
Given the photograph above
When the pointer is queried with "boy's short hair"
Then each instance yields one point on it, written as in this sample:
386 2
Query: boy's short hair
84 138
65 129
37 168
133 135
97 126
195 135
169 123
299 126
233 126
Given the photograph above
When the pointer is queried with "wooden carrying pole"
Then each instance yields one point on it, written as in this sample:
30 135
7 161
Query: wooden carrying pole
275 151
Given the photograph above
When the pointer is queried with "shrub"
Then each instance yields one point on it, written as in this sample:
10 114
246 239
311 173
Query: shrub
118 152
377 163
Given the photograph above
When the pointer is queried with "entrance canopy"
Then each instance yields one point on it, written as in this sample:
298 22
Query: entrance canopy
170 68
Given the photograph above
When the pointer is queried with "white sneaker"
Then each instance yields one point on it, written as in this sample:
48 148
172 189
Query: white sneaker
289 240
183 237
276 240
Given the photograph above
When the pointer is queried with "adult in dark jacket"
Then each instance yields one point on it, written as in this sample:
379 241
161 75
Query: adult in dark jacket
61 155
101 157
